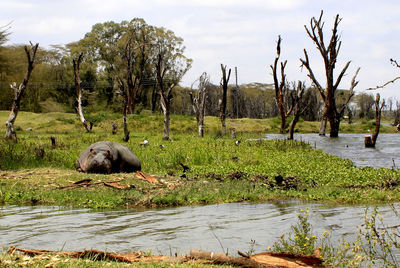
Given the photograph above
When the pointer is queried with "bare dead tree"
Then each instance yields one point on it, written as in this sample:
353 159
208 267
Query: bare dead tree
76 65
223 100
170 66
124 94
198 102
378 111
19 92
281 89
329 55
165 91
298 107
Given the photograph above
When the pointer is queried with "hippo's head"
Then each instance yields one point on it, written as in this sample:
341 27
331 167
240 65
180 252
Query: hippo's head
99 162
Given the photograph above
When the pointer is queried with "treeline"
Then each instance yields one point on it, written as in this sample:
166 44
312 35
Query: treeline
104 67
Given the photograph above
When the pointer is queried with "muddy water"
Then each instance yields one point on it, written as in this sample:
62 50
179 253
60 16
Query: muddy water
174 230
351 146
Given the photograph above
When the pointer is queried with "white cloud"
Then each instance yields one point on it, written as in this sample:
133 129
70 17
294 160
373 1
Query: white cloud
233 32
266 4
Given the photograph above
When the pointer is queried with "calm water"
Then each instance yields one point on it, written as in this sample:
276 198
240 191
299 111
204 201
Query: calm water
170 231
351 146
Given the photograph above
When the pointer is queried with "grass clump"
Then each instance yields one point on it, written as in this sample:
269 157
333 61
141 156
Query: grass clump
377 245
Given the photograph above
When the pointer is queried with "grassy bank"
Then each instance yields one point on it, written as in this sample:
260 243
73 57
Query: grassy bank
219 172
19 260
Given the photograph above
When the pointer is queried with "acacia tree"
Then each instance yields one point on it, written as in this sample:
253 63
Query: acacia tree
199 101
136 57
365 103
76 65
4 33
222 101
20 90
329 53
123 51
170 66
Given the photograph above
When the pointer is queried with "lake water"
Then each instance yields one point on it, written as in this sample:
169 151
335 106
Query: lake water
220 228
351 146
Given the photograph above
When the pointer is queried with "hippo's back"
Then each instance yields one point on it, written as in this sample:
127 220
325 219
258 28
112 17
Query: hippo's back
129 162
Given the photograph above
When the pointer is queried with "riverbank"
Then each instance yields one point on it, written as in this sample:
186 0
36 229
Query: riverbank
219 171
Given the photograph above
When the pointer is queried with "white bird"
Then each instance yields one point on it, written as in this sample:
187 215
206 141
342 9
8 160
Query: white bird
144 143
237 142
162 146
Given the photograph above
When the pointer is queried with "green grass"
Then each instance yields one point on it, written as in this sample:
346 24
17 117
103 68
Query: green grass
219 170
20 260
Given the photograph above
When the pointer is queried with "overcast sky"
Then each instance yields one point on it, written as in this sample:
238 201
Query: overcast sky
240 33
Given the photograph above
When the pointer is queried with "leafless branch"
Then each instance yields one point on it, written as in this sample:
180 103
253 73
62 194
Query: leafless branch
384 85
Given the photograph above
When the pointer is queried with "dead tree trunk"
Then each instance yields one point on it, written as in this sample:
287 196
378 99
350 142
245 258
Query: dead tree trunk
281 88
370 142
165 101
124 94
165 91
19 92
130 60
222 101
329 55
76 65
298 109
198 103
322 127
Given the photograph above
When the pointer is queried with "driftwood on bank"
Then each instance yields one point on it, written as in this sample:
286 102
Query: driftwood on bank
89 183
19 92
113 184
145 177
265 259
97 255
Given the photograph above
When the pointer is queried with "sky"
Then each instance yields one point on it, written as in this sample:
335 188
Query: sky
236 33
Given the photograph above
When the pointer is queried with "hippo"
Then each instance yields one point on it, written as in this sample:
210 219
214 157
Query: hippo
107 157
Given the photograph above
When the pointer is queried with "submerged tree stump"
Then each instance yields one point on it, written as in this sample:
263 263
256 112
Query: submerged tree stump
368 141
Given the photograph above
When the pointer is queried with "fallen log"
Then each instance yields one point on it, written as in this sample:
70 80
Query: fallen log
143 176
261 260
87 183
113 184
97 255
264 259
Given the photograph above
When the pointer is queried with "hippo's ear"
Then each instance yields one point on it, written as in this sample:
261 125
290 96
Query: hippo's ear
92 152
108 155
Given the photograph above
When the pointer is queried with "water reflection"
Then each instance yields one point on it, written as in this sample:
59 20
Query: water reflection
351 146
173 230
